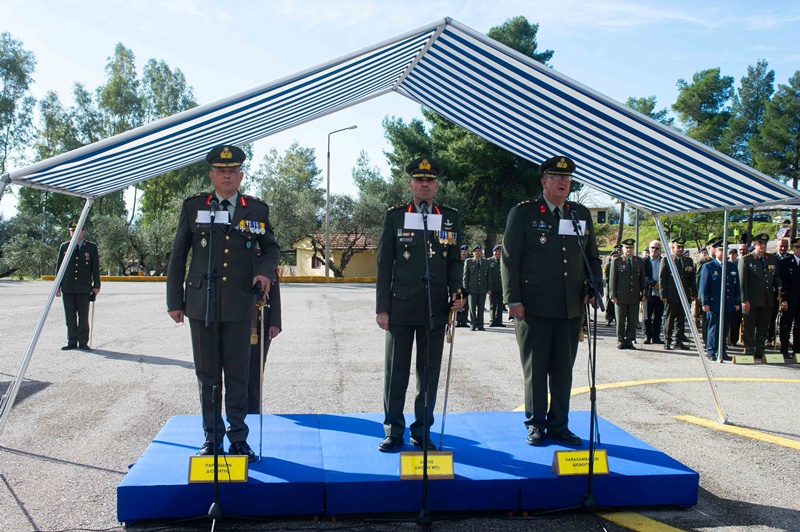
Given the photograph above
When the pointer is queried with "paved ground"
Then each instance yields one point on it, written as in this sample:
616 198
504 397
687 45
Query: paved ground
82 418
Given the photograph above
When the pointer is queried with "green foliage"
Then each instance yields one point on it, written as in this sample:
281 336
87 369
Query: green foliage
32 246
16 103
647 106
777 150
703 107
519 34
152 241
113 237
119 100
748 110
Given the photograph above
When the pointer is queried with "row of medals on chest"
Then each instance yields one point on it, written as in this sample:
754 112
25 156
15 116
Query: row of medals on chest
245 226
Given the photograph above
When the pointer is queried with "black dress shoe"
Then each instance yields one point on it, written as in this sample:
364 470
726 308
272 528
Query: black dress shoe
711 357
241 448
481 329
682 346
630 345
668 346
69 347
566 436
726 357
658 341
208 449
535 436
84 347
473 328
390 443
416 441
622 346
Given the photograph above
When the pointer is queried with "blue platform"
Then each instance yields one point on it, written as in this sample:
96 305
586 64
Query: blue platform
329 464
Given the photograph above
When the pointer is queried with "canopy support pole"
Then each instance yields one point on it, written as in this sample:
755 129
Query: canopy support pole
4 182
7 401
692 325
723 302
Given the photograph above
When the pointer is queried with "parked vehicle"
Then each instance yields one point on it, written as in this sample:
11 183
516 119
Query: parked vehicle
783 232
761 218
784 217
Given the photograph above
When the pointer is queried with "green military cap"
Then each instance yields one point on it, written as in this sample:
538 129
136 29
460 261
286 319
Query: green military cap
678 241
226 157
714 243
761 237
628 242
476 248
558 165
618 247
424 167
72 225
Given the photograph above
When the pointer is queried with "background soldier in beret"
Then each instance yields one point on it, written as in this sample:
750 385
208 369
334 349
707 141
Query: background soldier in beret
402 303
80 284
269 327
476 282
462 319
789 273
239 269
758 275
675 316
544 286
495 289
627 283
709 287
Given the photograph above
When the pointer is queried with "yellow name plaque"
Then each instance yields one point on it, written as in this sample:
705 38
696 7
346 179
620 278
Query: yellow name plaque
577 462
231 468
772 358
440 465
743 359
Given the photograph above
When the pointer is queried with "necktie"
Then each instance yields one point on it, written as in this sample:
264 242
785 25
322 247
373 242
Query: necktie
225 204
557 213
630 264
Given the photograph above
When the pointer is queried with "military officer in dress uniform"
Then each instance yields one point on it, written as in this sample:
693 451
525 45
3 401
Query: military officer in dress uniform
736 317
699 314
476 282
627 283
611 313
269 326
709 288
544 286
789 272
781 252
238 271
758 275
462 316
675 316
80 284
402 303
495 289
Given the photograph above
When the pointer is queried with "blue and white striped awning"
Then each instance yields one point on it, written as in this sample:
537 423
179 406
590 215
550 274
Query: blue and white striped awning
478 83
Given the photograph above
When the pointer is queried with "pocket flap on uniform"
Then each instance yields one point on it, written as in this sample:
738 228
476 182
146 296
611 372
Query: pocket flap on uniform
400 291
194 279
530 279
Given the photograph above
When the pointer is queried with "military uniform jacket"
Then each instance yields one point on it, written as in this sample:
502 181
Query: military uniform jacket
759 279
476 275
399 289
789 273
711 283
83 269
686 274
495 278
627 283
542 269
234 258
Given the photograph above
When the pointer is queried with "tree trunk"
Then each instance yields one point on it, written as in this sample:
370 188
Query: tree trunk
621 221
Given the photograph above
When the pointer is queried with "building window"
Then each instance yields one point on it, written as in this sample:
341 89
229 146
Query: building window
317 263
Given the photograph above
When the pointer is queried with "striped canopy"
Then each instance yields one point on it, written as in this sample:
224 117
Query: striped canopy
478 83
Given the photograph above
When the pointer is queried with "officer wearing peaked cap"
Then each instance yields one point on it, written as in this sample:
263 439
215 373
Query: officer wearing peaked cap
495 289
238 269
759 280
401 307
80 284
709 288
476 282
544 286
789 273
675 316
462 319
627 283
611 313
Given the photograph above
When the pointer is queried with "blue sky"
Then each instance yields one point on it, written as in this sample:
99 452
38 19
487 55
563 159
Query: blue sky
620 48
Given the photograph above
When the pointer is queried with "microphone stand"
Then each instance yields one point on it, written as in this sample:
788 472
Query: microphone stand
215 510
424 518
589 502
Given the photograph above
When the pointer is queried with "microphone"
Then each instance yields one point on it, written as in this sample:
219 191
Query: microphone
423 206
214 203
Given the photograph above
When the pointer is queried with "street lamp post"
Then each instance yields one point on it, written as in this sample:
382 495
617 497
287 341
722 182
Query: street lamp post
328 202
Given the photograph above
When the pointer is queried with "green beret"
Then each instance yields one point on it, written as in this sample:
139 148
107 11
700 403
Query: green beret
558 165
762 237
226 157
424 167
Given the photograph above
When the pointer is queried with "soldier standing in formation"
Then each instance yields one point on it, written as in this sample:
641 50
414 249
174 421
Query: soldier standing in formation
495 289
402 302
462 318
709 287
789 273
676 317
655 307
699 315
611 314
781 249
544 286
237 269
627 283
79 286
476 282
736 317
758 275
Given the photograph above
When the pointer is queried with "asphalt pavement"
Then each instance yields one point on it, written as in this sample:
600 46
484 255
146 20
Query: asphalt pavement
82 418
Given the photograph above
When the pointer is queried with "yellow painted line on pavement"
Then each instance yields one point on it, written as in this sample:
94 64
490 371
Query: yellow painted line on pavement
639 523
625 384
741 431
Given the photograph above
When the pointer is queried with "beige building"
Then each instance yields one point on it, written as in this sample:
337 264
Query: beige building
363 263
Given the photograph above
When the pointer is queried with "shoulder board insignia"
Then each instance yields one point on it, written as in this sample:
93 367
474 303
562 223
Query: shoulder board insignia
243 199
443 206
395 207
524 202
